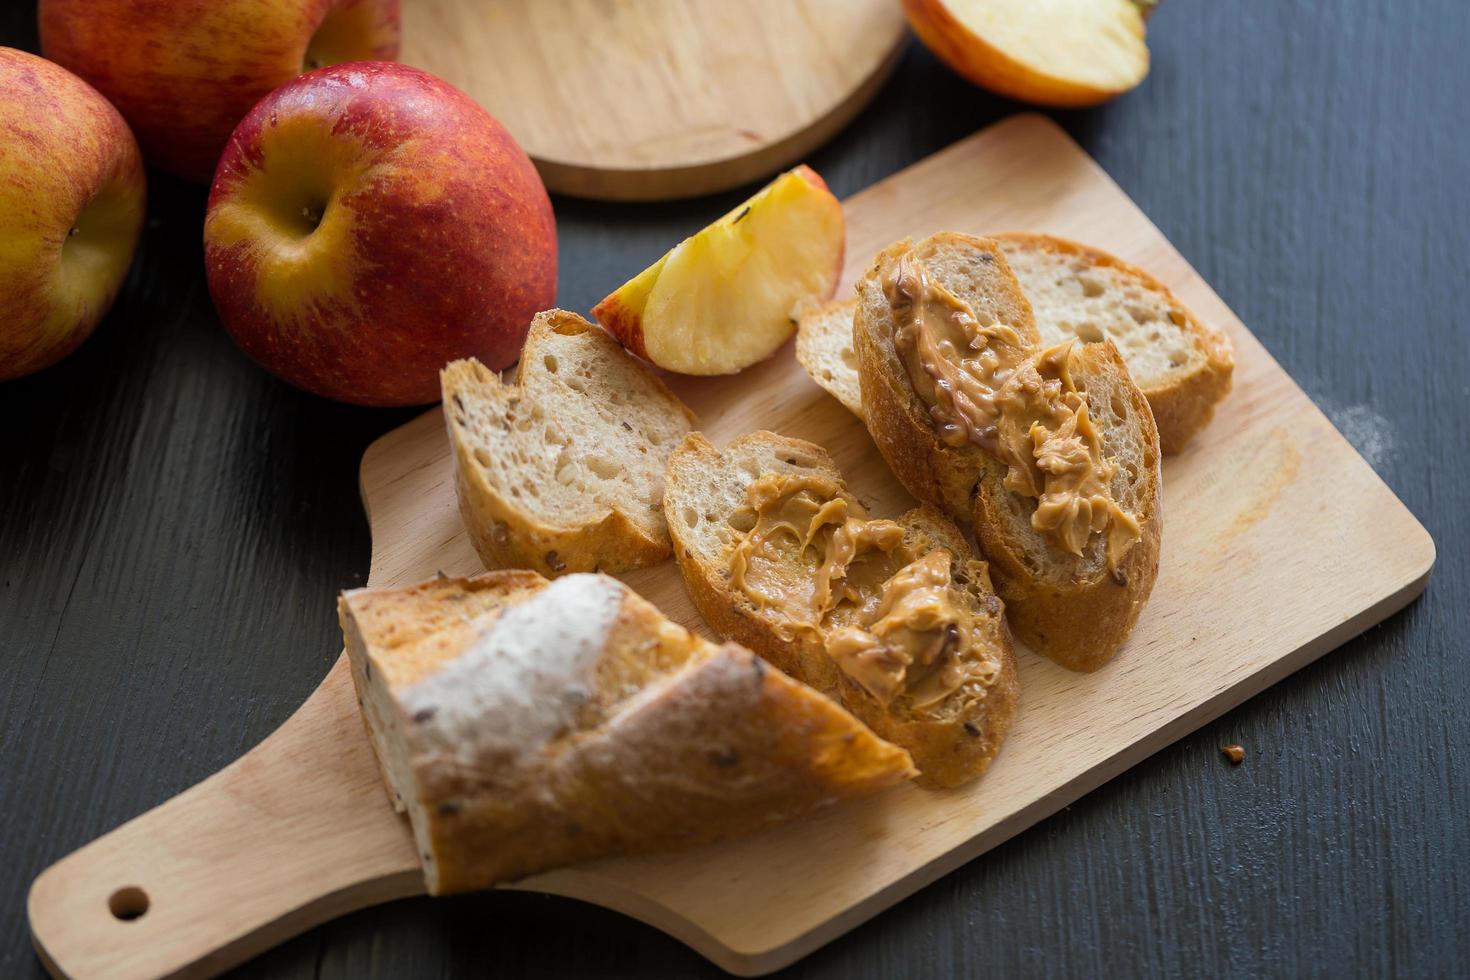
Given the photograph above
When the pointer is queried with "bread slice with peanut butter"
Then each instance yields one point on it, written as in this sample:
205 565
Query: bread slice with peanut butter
524 724
895 619
1182 366
1051 452
562 470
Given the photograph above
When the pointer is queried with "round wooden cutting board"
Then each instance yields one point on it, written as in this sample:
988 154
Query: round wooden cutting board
657 99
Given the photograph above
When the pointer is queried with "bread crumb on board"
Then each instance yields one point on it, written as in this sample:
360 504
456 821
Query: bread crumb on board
1234 752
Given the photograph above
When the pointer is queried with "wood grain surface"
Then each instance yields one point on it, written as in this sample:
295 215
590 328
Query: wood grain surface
174 524
628 100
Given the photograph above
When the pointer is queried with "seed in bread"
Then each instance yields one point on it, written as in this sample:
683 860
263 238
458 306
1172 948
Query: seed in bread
1182 366
524 725
1051 452
562 470
895 619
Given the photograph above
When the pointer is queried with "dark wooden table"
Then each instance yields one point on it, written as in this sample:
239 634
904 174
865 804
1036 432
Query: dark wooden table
174 525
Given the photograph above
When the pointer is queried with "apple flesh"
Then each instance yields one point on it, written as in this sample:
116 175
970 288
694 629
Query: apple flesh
370 222
728 296
184 72
71 206
1064 53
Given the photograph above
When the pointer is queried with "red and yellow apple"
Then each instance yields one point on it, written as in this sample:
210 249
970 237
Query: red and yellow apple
729 295
71 206
370 222
184 72
1058 53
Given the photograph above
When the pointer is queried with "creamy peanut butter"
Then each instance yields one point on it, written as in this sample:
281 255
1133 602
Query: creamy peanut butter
915 638
786 556
1054 453
983 386
954 362
889 617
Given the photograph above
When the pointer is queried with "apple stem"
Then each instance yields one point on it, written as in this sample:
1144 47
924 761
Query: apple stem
312 216
1147 7
74 232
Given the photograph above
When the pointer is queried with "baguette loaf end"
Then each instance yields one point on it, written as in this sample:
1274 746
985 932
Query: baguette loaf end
524 725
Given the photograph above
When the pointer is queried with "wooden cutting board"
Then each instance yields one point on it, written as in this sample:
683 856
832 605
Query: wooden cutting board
637 100
1280 543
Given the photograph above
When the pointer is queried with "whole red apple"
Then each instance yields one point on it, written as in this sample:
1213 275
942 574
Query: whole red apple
71 205
369 223
184 72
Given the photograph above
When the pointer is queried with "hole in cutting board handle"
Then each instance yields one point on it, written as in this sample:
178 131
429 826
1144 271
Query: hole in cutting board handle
128 903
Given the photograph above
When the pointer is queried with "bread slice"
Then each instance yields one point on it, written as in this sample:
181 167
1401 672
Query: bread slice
525 725
954 729
562 470
1076 608
1182 366
977 272
824 349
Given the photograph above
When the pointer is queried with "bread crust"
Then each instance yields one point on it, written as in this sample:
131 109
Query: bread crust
1182 406
949 750
1075 614
688 742
506 534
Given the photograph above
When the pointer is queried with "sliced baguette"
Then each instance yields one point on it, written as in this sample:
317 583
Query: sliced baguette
1073 609
952 740
824 349
524 725
976 271
1182 366
562 470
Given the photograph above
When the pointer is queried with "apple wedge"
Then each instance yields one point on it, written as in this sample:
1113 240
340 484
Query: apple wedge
1058 53
728 296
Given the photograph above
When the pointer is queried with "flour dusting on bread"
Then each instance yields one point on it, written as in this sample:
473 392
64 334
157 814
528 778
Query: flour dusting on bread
522 681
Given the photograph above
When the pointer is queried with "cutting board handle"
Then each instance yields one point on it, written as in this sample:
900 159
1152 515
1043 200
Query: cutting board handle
296 832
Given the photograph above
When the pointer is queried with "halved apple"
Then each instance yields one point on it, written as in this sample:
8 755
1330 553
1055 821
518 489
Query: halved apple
1057 53
728 296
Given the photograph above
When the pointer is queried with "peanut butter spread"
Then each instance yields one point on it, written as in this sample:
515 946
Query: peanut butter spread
955 363
983 386
888 616
915 638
